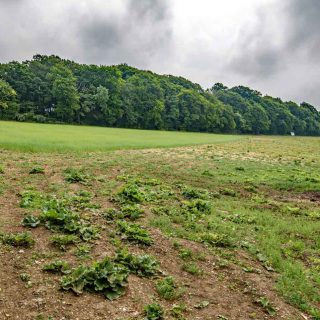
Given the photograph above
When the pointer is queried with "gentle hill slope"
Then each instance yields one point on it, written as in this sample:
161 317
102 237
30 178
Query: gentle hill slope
65 138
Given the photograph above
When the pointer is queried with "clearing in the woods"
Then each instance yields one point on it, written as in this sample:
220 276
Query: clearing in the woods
227 230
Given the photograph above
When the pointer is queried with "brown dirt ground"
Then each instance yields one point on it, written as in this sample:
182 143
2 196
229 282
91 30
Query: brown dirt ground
230 291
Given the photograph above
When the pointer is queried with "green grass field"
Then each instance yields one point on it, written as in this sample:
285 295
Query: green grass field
47 137
235 222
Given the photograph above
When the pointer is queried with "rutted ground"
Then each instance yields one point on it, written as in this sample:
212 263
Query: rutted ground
229 231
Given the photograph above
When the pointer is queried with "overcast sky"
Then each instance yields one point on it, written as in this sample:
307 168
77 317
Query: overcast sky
270 45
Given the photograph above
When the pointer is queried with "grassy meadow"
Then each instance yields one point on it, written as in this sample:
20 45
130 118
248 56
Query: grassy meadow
63 138
219 227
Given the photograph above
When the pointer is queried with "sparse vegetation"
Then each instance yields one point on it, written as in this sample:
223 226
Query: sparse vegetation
232 226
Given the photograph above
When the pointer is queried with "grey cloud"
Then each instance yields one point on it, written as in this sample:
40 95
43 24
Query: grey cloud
304 27
260 54
137 35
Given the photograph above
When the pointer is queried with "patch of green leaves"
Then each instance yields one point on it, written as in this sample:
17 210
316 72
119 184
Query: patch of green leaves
192 268
131 193
193 193
63 240
37 170
168 289
217 239
30 221
73 175
23 239
198 207
134 233
32 199
266 305
142 265
153 311
104 276
57 266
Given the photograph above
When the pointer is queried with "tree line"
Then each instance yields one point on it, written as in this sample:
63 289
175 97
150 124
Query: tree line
53 90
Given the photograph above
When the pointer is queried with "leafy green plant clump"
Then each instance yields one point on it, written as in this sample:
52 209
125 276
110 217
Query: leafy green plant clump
128 211
73 175
192 268
30 221
266 305
37 170
153 311
217 240
23 239
228 192
105 276
32 199
134 233
193 193
58 217
63 240
131 193
142 265
168 289
198 206
57 266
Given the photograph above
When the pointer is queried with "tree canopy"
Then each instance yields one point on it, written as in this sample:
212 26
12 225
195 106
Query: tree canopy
51 89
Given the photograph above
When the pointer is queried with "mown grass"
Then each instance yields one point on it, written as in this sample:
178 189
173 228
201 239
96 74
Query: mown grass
32 137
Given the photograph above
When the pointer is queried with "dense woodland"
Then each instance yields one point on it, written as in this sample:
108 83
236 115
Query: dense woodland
54 90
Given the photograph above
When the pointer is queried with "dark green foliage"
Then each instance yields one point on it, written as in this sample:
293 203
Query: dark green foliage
142 265
73 175
50 89
23 239
153 311
134 233
104 276
168 289
57 266
30 221
36 170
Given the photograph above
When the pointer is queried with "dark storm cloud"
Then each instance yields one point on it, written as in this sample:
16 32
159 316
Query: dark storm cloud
259 51
304 26
137 34
101 32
